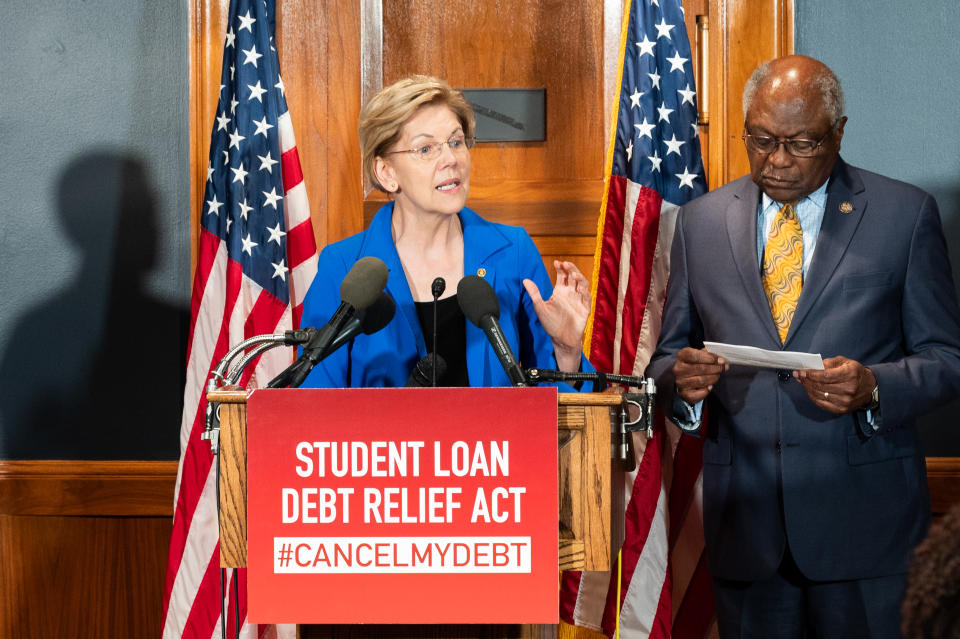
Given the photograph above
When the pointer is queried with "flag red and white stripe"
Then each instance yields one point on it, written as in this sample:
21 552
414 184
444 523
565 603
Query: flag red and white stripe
257 257
653 167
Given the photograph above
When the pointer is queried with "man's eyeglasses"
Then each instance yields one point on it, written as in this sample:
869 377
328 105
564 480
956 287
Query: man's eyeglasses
797 147
457 144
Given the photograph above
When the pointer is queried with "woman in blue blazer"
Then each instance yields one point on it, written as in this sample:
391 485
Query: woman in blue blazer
416 137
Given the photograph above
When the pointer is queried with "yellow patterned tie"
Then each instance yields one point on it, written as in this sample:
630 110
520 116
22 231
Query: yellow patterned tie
783 267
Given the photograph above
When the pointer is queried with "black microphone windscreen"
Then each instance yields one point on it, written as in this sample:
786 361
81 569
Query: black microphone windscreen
423 373
438 286
379 314
477 299
362 285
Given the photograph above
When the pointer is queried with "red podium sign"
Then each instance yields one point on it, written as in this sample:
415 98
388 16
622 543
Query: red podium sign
415 505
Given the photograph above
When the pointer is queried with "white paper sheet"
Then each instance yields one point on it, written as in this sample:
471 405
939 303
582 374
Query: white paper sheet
751 356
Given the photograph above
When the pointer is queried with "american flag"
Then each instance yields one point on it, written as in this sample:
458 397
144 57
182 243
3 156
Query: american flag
654 166
257 257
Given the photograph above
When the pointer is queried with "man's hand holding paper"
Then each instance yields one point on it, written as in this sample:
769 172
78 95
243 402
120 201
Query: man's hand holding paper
695 372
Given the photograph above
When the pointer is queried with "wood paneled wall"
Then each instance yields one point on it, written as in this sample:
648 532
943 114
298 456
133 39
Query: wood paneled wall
83 547
337 53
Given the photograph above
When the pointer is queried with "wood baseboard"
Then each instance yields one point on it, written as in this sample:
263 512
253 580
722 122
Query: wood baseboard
84 547
87 488
145 488
943 477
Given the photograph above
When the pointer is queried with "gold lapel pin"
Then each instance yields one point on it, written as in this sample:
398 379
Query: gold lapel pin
482 272
846 207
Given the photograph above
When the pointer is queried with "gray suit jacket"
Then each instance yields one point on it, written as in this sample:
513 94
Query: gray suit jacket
851 502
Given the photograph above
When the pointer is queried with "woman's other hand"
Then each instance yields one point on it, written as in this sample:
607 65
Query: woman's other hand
564 316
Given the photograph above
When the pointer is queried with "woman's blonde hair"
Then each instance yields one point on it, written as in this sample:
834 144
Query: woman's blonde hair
382 118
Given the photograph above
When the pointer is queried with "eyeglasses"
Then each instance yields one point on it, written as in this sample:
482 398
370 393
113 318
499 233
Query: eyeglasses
797 147
426 152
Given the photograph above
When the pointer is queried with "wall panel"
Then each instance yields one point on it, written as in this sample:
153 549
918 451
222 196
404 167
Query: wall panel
84 547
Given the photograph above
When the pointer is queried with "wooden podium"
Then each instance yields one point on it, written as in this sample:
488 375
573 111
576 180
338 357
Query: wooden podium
589 518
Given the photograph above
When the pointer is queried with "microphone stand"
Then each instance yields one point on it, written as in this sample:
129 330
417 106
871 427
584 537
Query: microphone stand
437 288
220 376
643 400
258 345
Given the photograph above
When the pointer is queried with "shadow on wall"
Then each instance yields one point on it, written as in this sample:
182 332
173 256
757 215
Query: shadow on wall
97 370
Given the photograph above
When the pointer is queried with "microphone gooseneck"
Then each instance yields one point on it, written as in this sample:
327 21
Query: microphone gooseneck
438 286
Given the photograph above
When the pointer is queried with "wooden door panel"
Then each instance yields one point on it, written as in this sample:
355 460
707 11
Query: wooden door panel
334 53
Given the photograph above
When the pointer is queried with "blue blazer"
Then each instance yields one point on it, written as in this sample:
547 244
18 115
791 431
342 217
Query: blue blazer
879 290
505 254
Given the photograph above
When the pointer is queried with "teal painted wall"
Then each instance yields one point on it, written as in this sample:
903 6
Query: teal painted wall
899 63
94 240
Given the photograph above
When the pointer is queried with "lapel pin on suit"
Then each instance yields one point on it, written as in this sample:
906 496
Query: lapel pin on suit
846 207
482 272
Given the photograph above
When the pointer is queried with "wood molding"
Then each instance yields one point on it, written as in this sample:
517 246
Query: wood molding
208 19
145 488
87 488
943 478
742 35
84 547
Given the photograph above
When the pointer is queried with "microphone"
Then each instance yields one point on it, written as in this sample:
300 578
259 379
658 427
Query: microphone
360 288
427 369
437 287
478 301
367 321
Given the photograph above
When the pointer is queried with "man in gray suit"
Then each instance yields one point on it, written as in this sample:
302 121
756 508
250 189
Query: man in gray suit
814 489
